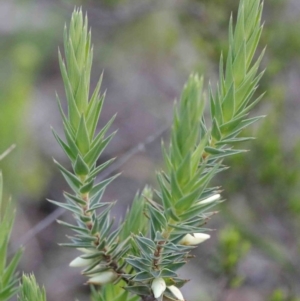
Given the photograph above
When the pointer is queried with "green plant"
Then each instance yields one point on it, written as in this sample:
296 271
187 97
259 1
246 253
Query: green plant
139 258
281 295
232 248
30 291
146 261
8 275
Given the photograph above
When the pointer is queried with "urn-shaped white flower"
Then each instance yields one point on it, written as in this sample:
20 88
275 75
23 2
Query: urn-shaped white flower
80 262
176 292
103 277
211 199
195 239
158 287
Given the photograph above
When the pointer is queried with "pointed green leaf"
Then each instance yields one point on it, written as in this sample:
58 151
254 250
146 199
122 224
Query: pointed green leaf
72 180
87 187
91 157
80 167
82 137
216 133
69 207
64 146
100 186
73 198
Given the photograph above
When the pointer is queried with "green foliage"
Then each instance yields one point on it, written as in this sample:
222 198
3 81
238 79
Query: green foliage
113 293
231 250
196 152
103 249
146 253
281 295
20 59
82 146
267 172
135 221
30 291
270 171
277 295
234 99
8 275
267 178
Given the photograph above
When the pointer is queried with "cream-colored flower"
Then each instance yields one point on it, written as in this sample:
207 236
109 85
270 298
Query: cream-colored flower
158 287
195 239
103 277
176 292
80 262
211 199
86 251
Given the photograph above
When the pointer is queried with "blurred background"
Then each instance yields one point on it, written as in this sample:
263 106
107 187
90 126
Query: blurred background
147 49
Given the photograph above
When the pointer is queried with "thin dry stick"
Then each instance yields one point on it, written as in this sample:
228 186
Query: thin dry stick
46 222
7 151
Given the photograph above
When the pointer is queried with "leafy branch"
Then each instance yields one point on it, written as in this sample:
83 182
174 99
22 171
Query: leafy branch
8 276
195 156
145 251
30 291
103 249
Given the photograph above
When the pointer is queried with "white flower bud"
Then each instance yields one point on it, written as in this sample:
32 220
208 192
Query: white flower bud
195 239
176 292
86 251
80 262
210 199
158 287
103 277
